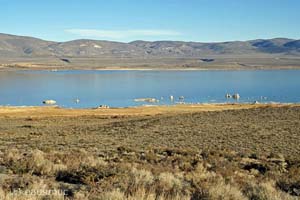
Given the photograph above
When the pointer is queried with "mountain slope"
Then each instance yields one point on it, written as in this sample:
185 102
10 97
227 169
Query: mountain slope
91 48
18 46
28 52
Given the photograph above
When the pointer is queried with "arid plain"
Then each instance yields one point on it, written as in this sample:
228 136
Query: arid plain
225 151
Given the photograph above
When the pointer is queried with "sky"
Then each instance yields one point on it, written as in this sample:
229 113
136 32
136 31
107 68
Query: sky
128 20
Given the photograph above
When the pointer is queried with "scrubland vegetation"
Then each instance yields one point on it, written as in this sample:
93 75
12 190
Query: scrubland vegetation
237 154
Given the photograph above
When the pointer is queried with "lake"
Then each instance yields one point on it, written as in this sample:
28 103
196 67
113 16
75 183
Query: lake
120 88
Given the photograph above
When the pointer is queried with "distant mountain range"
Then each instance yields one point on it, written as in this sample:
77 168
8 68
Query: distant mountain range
19 48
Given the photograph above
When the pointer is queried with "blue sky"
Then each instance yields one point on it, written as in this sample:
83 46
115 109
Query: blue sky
127 20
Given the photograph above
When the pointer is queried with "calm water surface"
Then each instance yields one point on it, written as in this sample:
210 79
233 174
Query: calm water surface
120 88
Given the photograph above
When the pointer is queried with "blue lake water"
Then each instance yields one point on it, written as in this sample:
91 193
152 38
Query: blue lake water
120 88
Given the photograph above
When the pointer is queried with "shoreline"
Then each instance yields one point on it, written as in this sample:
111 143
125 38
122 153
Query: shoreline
53 111
212 68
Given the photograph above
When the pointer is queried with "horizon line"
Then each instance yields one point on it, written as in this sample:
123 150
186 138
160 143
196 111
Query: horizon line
105 40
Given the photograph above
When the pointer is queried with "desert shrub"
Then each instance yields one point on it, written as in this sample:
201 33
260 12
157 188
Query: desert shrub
12 155
149 175
222 191
265 191
39 165
290 187
169 184
255 192
141 194
28 188
112 195
80 195
168 181
34 163
77 159
141 178
85 175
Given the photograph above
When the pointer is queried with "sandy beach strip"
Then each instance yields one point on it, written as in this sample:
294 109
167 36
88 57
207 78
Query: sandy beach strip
52 111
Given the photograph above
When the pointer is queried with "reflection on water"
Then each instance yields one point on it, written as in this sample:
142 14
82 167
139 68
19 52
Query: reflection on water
120 88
